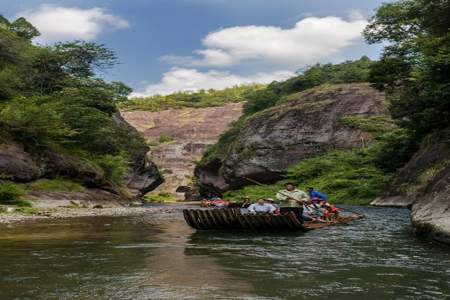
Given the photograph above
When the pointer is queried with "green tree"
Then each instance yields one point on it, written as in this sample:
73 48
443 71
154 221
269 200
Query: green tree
4 23
82 59
24 29
347 72
415 66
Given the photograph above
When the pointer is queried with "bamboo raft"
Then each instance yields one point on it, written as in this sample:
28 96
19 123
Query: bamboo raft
231 218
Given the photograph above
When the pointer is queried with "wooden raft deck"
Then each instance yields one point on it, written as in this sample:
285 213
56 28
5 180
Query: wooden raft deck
207 219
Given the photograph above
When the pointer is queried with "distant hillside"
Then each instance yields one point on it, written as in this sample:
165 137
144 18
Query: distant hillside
200 99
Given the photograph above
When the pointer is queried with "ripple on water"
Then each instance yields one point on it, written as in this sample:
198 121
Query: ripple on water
376 258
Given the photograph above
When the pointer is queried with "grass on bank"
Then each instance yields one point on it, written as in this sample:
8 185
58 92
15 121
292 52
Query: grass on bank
57 184
160 198
12 194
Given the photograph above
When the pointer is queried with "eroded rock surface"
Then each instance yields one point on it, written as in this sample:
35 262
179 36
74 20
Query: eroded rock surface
273 140
185 134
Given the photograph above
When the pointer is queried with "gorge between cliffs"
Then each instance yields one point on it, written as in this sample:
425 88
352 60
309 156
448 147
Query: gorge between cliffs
200 149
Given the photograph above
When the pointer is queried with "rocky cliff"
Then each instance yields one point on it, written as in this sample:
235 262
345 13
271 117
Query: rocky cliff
21 165
305 125
424 185
179 137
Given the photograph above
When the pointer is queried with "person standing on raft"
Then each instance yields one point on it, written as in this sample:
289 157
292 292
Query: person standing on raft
292 199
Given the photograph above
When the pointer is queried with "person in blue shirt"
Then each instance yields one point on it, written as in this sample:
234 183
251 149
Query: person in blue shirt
316 196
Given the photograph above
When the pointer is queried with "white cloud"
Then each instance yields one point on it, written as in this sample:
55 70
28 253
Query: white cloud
309 41
57 23
181 79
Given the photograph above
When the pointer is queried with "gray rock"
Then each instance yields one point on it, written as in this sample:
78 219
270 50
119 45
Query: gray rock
430 213
408 182
16 164
275 139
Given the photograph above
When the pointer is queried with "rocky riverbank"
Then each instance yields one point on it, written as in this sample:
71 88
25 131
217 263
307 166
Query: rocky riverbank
77 212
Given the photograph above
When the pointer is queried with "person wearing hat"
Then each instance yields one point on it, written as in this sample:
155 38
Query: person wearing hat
292 199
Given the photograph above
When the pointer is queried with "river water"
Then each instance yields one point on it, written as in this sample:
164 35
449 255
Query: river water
143 258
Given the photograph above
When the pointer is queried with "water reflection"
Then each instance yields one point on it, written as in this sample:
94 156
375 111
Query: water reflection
143 258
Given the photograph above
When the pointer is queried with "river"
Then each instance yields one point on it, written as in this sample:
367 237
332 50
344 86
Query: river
148 258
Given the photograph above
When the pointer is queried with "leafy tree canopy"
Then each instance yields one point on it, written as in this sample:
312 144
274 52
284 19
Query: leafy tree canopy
415 66
50 99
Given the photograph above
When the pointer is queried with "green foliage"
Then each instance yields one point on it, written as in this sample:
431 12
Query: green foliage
165 138
51 100
376 125
347 72
394 149
160 198
35 123
114 167
202 98
23 28
81 59
57 184
347 177
11 193
415 63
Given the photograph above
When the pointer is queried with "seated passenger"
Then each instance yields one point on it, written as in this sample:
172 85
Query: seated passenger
331 212
316 197
277 207
261 207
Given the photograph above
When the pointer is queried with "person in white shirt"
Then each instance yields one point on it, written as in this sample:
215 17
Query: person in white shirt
261 207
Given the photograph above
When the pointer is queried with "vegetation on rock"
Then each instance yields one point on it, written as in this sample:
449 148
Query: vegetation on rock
276 92
353 177
51 101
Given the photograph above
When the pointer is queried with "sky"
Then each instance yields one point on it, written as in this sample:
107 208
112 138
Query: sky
166 46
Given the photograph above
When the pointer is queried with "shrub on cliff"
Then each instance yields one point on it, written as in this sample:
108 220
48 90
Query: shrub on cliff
347 72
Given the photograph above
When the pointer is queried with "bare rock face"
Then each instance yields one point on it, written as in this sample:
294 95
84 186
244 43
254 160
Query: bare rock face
179 137
430 213
307 125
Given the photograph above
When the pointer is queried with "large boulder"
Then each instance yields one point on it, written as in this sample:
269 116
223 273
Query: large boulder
306 125
430 213
17 164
